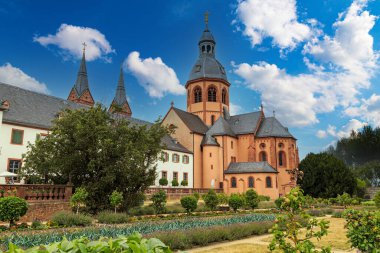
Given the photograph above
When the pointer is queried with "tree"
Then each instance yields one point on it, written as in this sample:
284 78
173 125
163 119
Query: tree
159 201
235 202
252 199
325 176
79 198
286 231
190 203
12 208
93 149
377 199
116 199
211 200
163 181
369 172
344 199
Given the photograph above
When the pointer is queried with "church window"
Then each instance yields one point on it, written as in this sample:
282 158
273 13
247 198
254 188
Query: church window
212 166
17 136
212 119
197 95
185 159
233 182
224 96
175 158
263 156
268 182
262 145
281 145
232 145
251 182
281 158
212 94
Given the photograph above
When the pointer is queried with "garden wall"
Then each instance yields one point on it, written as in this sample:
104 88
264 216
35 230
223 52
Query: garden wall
44 210
177 192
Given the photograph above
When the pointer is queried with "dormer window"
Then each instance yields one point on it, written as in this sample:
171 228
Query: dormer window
198 68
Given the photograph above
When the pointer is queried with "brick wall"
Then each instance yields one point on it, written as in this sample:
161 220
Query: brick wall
44 210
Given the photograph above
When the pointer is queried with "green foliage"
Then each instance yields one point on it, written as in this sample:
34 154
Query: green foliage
344 199
175 183
264 198
132 243
141 210
163 181
96 150
12 208
78 199
190 203
235 202
184 183
211 200
36 224
326 176
223 198
377 199
252 199
159 201
287 230
108 217
196 195
279 202
363 230
369 203
369 172
68 219
361 187
116 199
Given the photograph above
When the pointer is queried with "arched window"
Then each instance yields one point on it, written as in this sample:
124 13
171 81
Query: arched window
251 182
233 182
281 158
224 96
263 156
197 95
175 158
212 94
268 182
208 49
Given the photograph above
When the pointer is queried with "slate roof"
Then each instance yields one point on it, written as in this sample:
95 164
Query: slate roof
193 122
221 127
207 37
271 127
31 108
209 140
120 96
250 167
244 123
81 84
171 144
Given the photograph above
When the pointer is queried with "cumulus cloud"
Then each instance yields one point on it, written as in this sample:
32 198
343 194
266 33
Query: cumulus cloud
154 75
272 18
344 131
235 109
69 39
15 76
368 110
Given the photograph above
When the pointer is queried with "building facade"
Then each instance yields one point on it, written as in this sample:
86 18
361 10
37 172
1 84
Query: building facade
233 153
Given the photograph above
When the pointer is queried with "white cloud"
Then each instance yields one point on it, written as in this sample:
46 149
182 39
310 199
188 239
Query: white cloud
154 75
369 110
272 18
235 109
321 134
69 39
344 131
15 76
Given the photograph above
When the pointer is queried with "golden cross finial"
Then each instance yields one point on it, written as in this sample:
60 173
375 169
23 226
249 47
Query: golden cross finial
206 18
84 46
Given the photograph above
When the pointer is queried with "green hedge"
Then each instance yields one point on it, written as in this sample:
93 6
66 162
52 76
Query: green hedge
69 219
108 217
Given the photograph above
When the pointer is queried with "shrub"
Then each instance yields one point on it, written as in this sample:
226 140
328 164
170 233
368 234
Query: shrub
190 203
68 219
377 199
141 210
196 195
252 199
108 217
316 213
116 199
163 181
337 214
369 203
211 200
36 224
235 202
278 202
78 199
344 199
159 201
12 208
175 183
222 198
266 204
264 198
184 183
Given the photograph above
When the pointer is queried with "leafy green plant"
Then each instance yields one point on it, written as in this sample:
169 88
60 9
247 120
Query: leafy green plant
278 202
116 199
78 199
235 202
184 183
211 200
264 198
163 181
12 208
190 203
68 219
344 199
369 203
196 195
175 183
377 199
159 201
108 217
287 230
363 230
36 224
251 199
222 198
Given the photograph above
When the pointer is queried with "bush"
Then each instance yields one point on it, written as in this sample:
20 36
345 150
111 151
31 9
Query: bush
196 195
337 214
316 213
211 200
222 198
78 199
175 183
68 219
116 199
279 202
344 199
266 205
36 224
252 199
108 217
369 203
12 208
377 199
184 183
190 203
235 202
141 210
159 201
264 198
163 181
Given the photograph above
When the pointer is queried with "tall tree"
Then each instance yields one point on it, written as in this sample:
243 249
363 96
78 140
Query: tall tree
99 152
326 176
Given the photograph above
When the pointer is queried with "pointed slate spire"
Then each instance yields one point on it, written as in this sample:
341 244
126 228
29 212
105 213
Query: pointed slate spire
120 104
81 84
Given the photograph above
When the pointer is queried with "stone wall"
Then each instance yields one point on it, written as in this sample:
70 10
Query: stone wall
371 191
43 211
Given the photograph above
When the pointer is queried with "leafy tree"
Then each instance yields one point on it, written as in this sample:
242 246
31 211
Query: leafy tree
377 199
184 183
223 198
287 235
369 172
12 208
211 200
79 198
325 176
278 202
175 183
163 181
116 199
190 203
235 202
159 201
252 199
344 199
93 149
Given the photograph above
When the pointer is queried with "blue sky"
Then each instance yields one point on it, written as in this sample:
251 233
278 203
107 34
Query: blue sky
314 62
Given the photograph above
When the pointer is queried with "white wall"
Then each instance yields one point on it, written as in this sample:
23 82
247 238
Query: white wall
171 167
9 150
